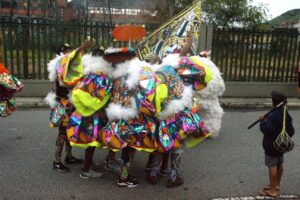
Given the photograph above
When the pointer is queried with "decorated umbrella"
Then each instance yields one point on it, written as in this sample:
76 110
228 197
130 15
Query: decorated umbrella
129 33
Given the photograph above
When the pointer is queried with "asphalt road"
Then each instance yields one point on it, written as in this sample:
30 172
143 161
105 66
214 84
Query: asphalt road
231 165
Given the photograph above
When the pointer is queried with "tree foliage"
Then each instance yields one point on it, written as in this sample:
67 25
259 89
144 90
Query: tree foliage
231 13
222 13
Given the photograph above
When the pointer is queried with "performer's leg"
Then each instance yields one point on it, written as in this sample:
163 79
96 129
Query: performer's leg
69 159
86 171
165 162
150 161
60 140
152 176
174 178
68 148
111 163
126 180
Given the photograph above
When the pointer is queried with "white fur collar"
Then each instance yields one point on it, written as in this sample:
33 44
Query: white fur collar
96 64
51 99
131 69
117 111
52 67
171 60
177 105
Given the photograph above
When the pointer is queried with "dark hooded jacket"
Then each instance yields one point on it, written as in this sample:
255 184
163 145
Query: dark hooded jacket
271 127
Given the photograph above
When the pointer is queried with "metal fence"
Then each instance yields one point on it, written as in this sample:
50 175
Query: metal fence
28 45
242 55
255 55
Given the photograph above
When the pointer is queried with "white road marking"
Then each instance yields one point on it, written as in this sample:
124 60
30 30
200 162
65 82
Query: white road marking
282 196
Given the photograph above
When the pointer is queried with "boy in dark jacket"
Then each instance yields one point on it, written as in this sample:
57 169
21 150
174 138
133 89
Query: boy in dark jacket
271 126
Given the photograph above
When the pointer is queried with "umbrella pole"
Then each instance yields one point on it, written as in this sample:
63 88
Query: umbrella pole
129 43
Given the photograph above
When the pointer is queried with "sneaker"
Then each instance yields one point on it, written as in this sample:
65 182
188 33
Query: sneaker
177 182
128 182
90 174
114 167
72 160
58 166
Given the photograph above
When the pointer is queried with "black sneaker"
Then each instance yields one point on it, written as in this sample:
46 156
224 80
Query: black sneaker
72 160
128 182
177 182
58 166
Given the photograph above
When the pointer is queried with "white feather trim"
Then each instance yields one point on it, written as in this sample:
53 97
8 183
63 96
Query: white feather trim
155 67
52 67
121 70
177 105
131 68
117 111
211 113
216 87
51 99
171 60
96 64
134 72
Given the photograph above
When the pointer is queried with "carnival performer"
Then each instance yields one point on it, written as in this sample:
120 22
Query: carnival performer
154 59
121 110
9 85
207 84
58 99
90 96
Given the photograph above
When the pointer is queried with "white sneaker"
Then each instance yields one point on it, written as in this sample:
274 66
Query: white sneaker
90 174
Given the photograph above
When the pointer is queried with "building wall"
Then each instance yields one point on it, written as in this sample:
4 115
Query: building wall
55 9
122 11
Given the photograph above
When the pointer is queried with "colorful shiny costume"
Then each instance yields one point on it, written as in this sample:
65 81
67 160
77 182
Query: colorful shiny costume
9 85
146 107
152 107
90 90
122 103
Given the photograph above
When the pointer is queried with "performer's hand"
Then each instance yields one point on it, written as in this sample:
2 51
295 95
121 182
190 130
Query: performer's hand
87 44
262 117
190 34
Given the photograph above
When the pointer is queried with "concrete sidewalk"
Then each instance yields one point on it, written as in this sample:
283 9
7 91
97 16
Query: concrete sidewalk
38 102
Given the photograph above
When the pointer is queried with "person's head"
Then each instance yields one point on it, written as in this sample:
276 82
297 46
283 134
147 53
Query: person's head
63 48
97 52
277 98
152 58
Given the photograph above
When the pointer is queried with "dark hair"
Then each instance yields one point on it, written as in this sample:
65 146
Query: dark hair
97 52
62 48
278 97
